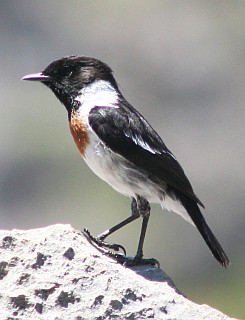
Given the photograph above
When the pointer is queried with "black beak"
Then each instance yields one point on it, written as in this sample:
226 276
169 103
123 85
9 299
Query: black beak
36 77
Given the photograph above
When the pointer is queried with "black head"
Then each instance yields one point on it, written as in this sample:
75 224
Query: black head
69 75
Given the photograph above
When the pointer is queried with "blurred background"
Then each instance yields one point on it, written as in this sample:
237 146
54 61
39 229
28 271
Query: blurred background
182 64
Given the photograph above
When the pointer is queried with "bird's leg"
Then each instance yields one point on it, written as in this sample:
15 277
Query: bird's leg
99 240
144 208
135 215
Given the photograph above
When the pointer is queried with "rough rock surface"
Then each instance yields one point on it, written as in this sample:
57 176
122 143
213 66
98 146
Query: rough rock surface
55 273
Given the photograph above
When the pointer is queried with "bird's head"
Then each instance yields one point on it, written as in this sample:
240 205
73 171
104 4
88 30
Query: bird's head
67 76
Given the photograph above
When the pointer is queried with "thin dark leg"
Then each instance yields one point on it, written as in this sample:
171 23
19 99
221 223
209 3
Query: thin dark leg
139 254
144 210
106 233
135 215
99 240
138 259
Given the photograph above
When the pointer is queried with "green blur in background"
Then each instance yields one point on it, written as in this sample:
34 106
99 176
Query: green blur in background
182 64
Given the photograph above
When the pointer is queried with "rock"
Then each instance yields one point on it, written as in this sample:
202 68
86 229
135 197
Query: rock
55 273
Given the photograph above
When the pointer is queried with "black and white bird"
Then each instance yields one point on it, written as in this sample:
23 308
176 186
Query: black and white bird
121 147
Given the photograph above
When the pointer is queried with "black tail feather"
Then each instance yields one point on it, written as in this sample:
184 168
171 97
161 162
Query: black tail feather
198 219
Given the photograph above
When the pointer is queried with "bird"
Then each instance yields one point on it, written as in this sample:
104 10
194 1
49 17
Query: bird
120 146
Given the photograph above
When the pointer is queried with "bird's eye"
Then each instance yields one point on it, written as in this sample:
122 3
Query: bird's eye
66 71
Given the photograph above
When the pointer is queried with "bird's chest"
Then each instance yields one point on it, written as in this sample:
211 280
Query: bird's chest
79 131
105 163
101 160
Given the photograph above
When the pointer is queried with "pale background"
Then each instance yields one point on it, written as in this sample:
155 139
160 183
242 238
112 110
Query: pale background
182 64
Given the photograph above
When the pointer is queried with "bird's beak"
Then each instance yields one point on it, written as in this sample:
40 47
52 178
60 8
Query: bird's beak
36 77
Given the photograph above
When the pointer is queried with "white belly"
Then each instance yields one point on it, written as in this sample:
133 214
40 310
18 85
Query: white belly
119 173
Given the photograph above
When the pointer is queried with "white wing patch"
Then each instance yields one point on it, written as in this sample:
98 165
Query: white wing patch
140 142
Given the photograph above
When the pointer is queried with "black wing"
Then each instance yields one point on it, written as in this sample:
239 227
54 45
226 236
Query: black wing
127 133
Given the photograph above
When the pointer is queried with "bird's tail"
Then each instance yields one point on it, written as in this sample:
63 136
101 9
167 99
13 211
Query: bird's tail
198 219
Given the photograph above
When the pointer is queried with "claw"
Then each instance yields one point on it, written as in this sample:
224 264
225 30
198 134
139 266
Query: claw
102 244
115 247
132 262
120 258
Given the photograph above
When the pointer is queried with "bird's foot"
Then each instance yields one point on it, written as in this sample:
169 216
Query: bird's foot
120 258
103 244
133 261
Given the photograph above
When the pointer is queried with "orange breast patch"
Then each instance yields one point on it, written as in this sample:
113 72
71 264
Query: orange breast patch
79 131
